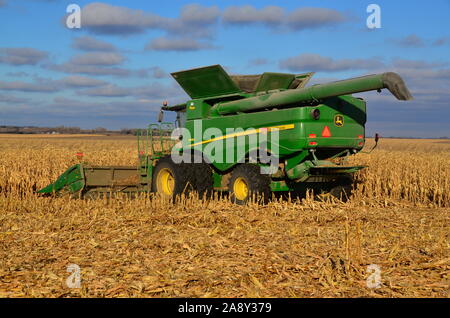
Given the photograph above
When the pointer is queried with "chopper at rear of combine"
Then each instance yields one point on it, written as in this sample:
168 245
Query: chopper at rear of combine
249 136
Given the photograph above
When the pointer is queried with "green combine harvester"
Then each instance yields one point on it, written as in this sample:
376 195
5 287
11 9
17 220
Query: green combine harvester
248 135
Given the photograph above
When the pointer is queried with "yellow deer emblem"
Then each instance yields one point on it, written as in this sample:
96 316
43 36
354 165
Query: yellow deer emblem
339 120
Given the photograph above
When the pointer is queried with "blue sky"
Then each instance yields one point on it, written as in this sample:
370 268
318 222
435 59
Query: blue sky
114 71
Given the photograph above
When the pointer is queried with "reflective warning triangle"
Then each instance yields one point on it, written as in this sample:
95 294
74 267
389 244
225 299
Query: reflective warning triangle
326 132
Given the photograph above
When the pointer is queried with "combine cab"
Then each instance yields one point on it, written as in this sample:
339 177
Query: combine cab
247 135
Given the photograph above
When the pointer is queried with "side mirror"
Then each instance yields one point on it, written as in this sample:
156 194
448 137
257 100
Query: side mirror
161 116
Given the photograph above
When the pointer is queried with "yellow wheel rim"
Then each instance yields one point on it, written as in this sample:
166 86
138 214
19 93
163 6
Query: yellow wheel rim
240 189
166 182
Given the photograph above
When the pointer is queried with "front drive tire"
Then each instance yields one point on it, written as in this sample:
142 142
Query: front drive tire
201 175
170 179
201 178
247 183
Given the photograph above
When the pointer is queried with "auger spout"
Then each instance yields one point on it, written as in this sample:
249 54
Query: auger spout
392 81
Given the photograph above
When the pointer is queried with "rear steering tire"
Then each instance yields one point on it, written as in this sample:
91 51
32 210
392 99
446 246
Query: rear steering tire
247 183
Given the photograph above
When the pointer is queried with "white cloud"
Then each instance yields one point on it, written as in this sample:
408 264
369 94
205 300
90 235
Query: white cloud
248 14
22 56
316 62
176 44
87 43
98 59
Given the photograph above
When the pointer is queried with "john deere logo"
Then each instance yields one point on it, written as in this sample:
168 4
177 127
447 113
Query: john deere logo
339 120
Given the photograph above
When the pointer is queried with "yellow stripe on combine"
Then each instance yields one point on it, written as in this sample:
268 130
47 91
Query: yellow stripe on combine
246 133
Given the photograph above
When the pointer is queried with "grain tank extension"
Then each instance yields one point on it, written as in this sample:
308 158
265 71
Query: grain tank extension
248 135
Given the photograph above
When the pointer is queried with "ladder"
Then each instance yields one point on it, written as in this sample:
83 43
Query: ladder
153 143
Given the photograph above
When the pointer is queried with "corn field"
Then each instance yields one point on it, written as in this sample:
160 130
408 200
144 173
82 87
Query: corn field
398 222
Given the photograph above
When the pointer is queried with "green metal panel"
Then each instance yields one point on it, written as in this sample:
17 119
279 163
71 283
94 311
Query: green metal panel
303 79
72 180
271 81
217 179
206 82
313 169
197 109
277 186
352 132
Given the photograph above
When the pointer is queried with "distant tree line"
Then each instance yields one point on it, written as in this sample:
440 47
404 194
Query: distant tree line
73 130
62 130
